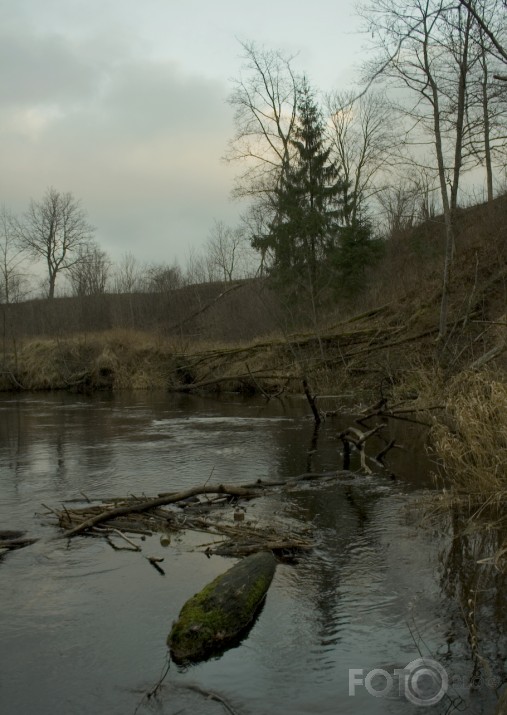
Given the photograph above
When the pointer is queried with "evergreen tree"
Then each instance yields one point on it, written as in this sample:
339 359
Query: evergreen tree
357 250
304 236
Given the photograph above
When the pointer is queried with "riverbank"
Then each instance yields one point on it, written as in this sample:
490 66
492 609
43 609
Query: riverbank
382 345
241 336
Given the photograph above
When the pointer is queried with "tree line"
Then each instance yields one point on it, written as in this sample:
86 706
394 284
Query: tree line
325 180
54 234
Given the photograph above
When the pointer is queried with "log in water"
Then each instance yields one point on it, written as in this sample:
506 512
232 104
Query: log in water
213 618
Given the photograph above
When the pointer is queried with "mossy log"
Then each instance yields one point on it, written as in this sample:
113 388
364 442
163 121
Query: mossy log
215 617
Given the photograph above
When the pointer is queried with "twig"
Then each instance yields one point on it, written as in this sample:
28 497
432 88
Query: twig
154 562
151 693
257 385
50 510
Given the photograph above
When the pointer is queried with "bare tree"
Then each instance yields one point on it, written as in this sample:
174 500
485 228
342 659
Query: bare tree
265 104
456 39
407 202
487 97
55 230
255 225
363 137
198 268
224 249
163 278
13 277
128 275
425 48
265 101
495 34
90 274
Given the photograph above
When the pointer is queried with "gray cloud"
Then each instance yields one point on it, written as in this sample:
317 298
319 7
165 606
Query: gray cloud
42 70
155 96
135 138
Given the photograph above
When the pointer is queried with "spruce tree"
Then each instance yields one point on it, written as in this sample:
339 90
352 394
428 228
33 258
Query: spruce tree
304 235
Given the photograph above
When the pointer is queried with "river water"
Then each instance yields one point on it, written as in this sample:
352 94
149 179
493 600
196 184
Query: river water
83 628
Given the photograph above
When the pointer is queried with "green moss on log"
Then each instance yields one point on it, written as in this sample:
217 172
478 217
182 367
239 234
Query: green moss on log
218 614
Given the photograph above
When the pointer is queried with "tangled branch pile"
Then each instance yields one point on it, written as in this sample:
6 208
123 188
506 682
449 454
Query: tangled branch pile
219 514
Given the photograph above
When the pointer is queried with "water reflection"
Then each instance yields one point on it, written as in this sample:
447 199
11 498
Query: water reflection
470 577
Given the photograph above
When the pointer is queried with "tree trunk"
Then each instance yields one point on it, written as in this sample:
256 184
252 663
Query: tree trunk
460 115
485 115
52 281
449 232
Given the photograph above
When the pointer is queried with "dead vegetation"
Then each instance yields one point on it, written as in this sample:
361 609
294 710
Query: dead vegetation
469 442
472 446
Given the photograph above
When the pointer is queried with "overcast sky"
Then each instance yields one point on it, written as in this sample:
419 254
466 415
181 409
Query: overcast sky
123 103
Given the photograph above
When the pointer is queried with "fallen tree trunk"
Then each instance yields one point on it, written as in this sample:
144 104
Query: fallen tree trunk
216 616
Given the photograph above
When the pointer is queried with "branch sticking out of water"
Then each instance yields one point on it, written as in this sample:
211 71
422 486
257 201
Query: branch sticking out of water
311 401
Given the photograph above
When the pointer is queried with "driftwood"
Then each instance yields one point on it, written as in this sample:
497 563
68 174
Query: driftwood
214 618
143 516
148 504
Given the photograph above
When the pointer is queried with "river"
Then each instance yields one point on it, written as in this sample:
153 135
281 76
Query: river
83 628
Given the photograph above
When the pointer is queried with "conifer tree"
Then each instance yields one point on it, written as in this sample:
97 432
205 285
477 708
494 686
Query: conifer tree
304 235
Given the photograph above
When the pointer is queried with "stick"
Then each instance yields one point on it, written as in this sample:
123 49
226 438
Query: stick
125 538
153 561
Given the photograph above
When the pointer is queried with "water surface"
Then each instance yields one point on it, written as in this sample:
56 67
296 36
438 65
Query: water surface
83 628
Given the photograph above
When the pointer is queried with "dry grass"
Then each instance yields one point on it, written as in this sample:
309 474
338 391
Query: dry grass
116 359
473 446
